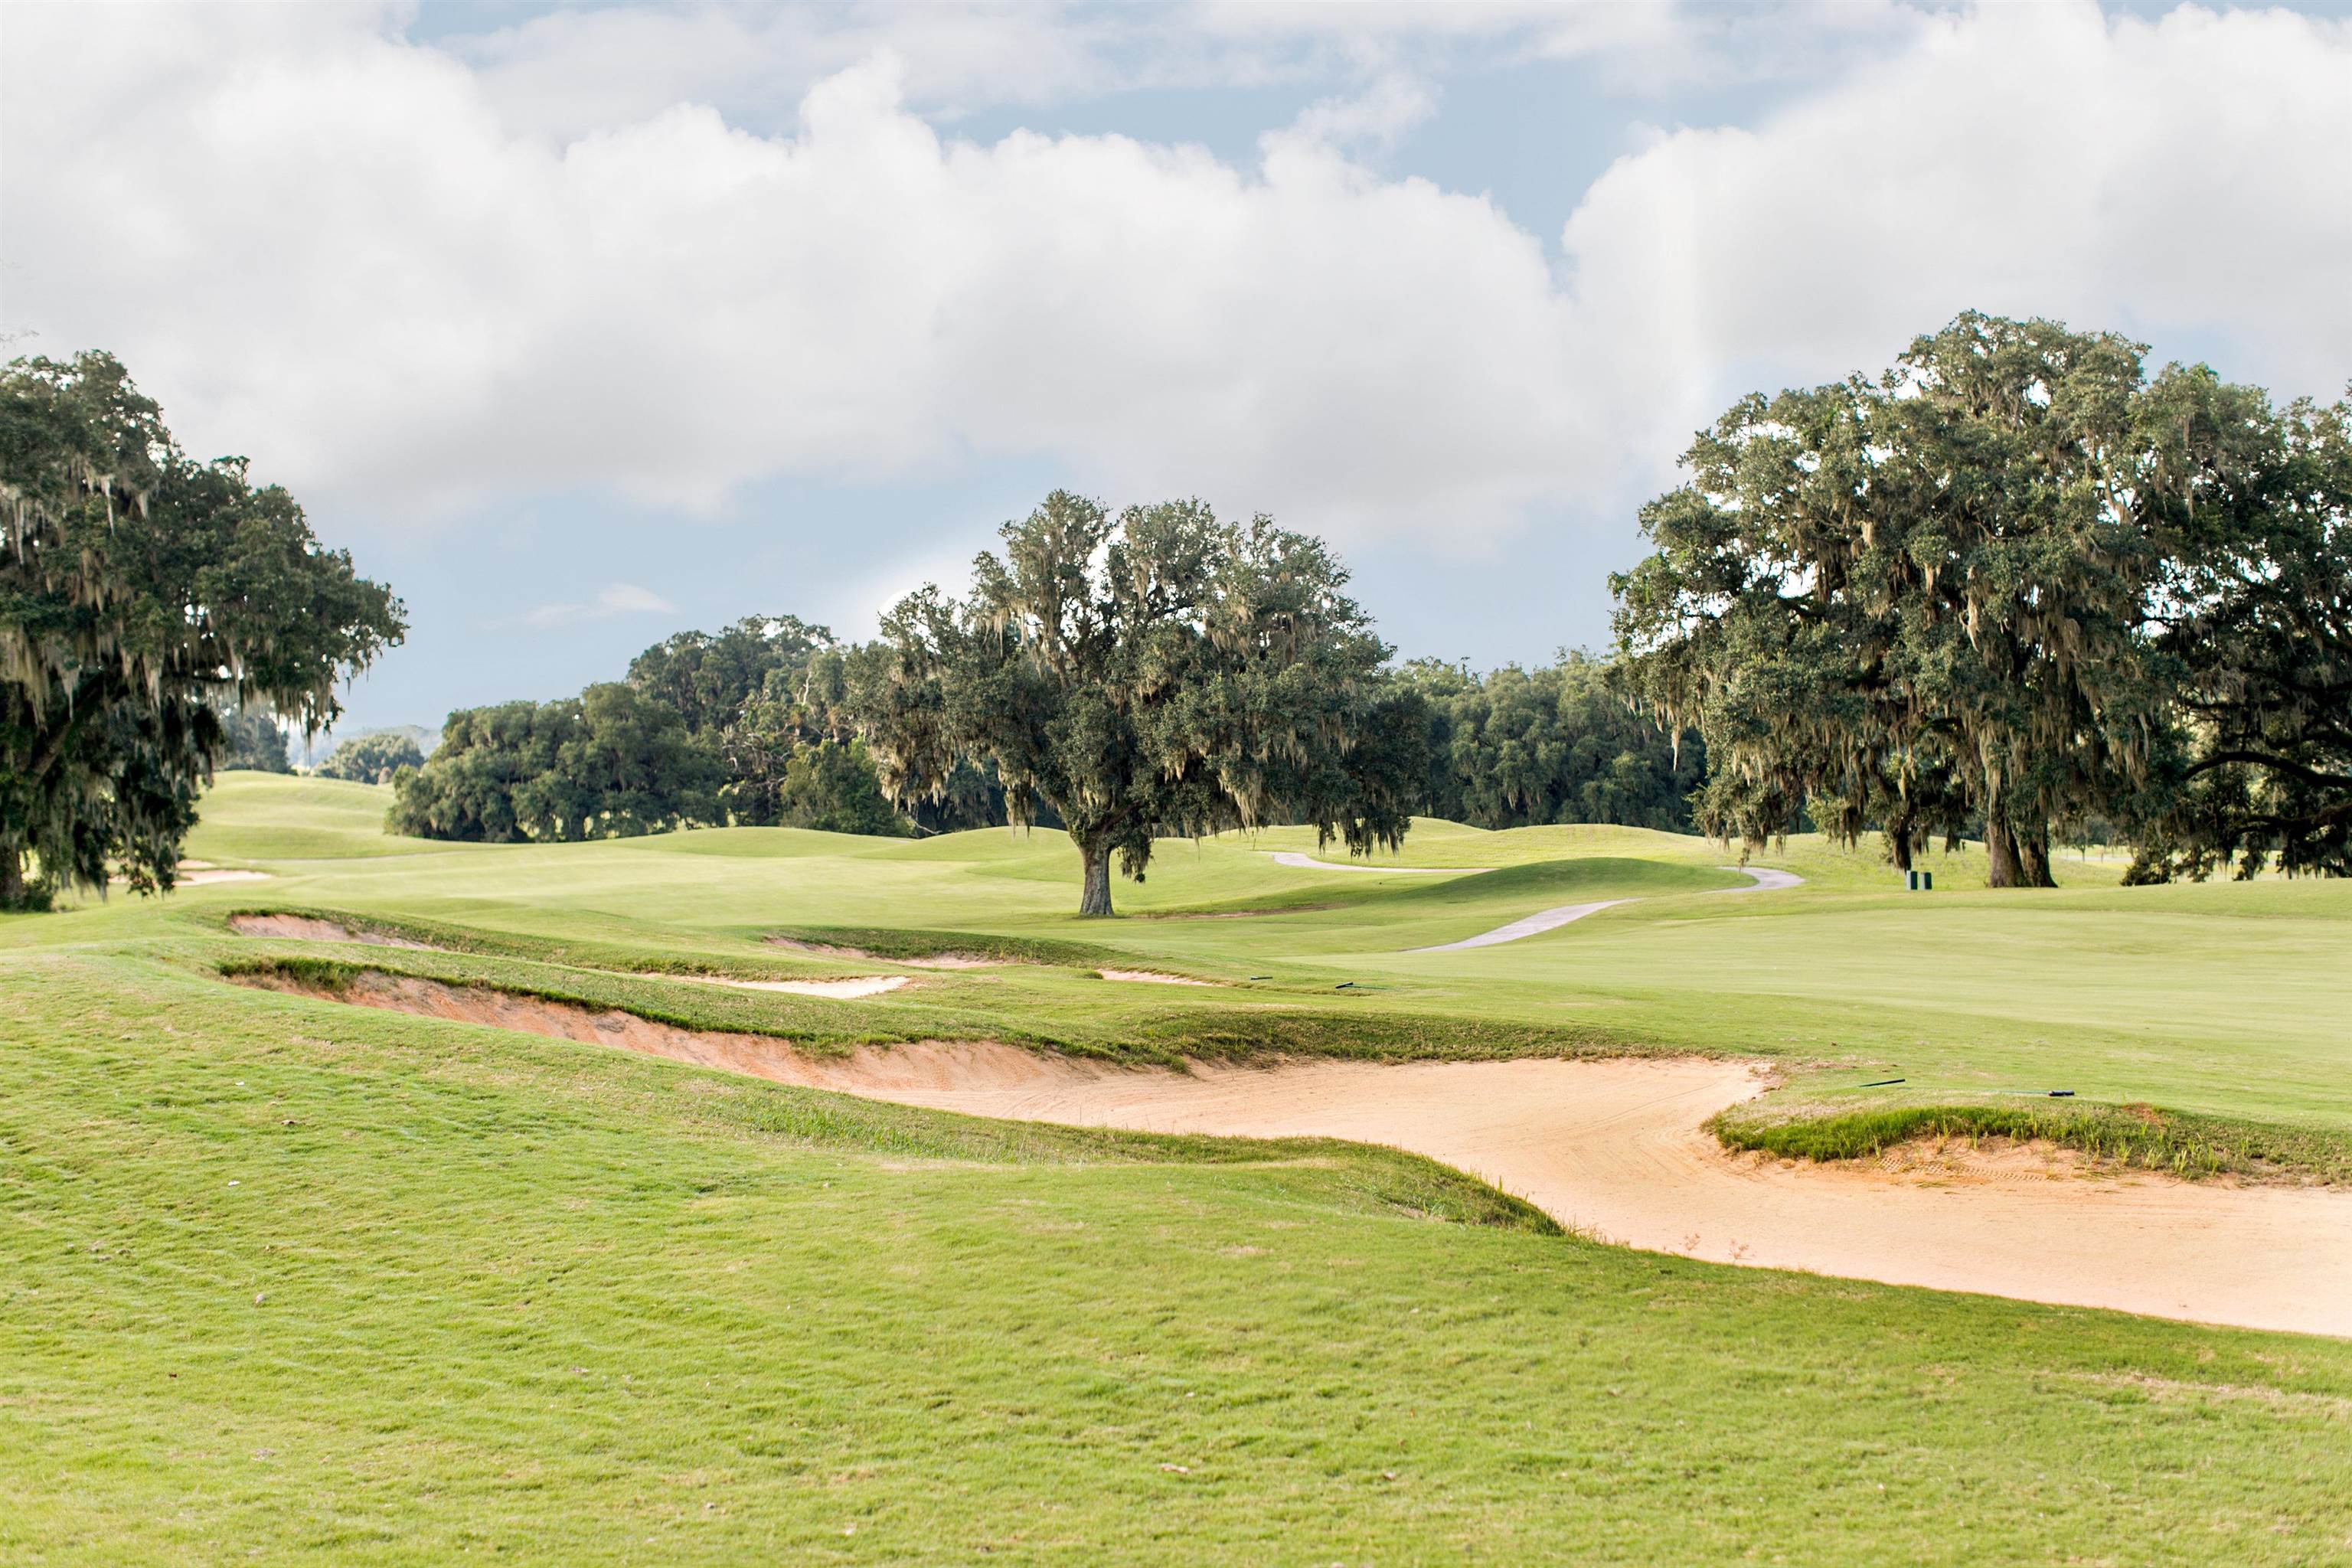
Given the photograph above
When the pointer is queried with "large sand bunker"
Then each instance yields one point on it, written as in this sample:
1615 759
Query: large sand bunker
1616 1148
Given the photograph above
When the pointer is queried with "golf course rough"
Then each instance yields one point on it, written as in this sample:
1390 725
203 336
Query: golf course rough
294 1280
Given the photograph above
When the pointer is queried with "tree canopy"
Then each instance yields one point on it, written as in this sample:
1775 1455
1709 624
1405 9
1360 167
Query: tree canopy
1938 600
1149 673
611 762
1521 747
372 758
141 593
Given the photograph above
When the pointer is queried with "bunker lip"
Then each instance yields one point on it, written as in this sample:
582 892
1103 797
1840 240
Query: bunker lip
842 988
1152 977
928 961
1614 1148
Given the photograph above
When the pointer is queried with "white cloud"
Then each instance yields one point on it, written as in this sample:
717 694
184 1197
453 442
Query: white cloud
614 599
348 256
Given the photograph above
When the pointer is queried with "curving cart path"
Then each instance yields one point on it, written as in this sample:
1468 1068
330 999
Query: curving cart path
1535 924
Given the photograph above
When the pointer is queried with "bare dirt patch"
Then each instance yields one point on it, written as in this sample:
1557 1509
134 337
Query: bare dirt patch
305 927
1150 977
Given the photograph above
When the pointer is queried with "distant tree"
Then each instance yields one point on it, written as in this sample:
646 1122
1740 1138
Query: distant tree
1158 672
250 738
833 788
141 593
1428 691
1556 746
373 759
707 680
611 762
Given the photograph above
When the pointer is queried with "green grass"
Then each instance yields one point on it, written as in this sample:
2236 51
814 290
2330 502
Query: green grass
282 1281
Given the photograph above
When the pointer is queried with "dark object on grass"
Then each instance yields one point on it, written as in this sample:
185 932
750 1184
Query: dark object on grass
1261 977
2061 1094
1881 1083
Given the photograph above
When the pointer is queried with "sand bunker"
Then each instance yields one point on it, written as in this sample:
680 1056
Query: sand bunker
840 990
1616 1149
929 961
198 874
303 928
1150 977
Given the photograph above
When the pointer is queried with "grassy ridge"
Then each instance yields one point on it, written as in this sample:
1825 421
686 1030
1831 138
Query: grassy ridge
2140 1136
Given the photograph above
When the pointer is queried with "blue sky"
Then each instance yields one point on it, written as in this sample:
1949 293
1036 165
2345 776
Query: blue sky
580 326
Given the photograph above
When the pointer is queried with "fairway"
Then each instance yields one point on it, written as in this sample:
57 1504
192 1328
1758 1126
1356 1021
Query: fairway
294 1280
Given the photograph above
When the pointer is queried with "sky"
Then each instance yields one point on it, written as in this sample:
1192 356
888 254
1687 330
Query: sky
584 325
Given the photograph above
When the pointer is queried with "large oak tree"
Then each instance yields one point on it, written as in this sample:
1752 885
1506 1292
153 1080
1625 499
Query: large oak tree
1152 673
142 593
1929 598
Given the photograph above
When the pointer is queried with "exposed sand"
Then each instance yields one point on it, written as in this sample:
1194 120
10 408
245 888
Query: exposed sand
840 990
877 1072
195 874
303 928
1552 920
1616 1148
931 960
1150 977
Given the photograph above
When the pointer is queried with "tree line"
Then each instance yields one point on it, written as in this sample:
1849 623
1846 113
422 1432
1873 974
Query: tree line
2010 586
760 724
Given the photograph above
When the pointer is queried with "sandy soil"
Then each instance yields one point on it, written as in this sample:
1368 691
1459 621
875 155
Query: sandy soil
877 1072
1616 1148
932 961
1150 977
840 990
302 927
195 874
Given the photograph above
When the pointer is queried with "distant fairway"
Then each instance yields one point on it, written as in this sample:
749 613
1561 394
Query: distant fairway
288 1281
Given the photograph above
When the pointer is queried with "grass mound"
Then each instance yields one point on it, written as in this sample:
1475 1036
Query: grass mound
2142 1136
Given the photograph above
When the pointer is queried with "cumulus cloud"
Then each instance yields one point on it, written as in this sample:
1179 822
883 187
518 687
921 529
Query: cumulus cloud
344 254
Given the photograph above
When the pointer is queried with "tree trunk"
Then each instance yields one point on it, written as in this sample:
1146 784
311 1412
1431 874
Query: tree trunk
2033 860
2000 852
1095 900
1898 845
12 877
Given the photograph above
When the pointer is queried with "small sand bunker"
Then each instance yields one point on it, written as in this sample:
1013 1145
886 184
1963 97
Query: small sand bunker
201 874
304 928
840 990
1150 977
929 961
